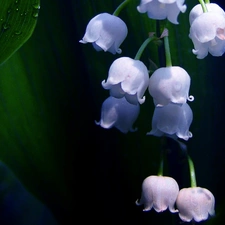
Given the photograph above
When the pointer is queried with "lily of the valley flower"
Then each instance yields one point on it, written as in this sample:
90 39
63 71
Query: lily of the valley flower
159 192
195 203
162 9
197 11
118 113
105 32
127 78
208 34
172 120
170 84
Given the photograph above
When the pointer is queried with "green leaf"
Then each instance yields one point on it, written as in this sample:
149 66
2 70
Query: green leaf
18 19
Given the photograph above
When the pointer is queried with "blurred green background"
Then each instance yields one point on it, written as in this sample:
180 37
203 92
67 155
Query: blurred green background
51 94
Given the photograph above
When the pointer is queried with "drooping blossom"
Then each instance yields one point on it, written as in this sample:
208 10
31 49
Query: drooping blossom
106 32
207 33
197 11
118 113
195 203
170 84
162 9
159 192
172 120
127 78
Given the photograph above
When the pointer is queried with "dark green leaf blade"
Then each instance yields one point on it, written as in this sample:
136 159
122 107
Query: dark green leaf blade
18 19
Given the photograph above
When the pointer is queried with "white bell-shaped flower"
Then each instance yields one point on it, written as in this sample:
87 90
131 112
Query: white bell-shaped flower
172 120
197 11
118 113
195 203
207 33
105 32
127 78
162 9
170 84
159 192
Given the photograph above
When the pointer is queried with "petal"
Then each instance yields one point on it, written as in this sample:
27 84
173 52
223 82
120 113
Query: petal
201 49
157 10
204 27
119 113
118 71
116 91
172 119
142 8
218 48
169 84
174 10
185 122
159 192
106 32
128 77
162 9
167 1
195 203
197 11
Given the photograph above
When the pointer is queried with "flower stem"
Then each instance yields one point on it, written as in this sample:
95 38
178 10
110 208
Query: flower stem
192 172
160 172
143 46
120 7
203 4
165 35
207 1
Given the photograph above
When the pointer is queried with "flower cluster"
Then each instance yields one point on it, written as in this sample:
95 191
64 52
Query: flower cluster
162 193
169 87
207 30
128 80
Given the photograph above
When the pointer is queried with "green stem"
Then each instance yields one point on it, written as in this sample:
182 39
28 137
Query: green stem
207 1
203 4
120 7
167 51
143 46
160 172
192 172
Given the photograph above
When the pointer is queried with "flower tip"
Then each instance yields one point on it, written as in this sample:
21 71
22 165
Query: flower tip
133 129
184 8
165 33
82 41
191 98
141 100
97 123
137 202
119 51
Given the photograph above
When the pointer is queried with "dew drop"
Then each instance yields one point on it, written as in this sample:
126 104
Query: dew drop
17 9
35 14
36 6
9 11
5 26
18 32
